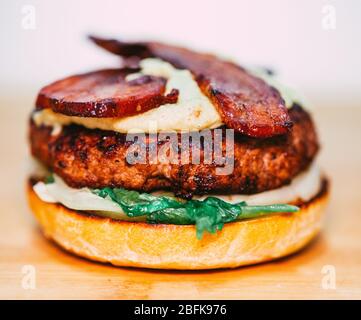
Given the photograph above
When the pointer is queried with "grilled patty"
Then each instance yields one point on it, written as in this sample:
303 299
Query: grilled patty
97 159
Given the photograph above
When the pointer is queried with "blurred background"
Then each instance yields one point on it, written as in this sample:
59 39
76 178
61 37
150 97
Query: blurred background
313 45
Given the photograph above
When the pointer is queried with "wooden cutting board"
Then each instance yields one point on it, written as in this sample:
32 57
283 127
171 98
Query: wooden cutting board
34 268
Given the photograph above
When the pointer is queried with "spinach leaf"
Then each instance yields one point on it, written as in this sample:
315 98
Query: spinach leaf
208 215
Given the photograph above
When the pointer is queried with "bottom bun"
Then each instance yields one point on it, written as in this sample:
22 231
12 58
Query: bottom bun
165 246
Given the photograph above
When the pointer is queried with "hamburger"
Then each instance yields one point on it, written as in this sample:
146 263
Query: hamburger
174 160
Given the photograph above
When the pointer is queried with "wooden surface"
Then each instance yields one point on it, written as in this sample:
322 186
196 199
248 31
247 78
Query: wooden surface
61 275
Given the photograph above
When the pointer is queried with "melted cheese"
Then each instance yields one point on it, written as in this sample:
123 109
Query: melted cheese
79 199
304 187
288 94
192 112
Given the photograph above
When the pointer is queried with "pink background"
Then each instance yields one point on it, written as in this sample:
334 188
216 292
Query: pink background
287 35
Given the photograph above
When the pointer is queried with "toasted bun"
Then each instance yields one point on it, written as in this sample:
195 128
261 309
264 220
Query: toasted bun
163 246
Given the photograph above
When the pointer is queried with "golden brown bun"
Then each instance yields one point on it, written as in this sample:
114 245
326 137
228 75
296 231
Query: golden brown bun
163 246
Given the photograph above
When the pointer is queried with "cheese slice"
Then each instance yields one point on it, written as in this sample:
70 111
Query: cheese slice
192 112
304 187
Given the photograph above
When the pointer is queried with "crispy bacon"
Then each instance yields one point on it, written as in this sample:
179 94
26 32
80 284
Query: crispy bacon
246 103
105 93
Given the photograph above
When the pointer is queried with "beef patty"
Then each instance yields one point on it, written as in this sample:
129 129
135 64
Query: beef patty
97 158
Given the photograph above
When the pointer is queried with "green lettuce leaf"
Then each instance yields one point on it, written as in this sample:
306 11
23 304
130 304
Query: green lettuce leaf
208 215
49 179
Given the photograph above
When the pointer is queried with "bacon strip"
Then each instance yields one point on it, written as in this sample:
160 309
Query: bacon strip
105 93
246 103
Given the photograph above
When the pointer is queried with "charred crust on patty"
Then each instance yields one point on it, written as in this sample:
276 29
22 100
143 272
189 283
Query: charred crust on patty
260 164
